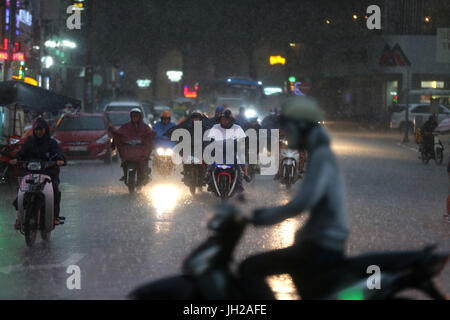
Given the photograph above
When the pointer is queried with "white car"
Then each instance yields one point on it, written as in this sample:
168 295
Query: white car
418 109
116 106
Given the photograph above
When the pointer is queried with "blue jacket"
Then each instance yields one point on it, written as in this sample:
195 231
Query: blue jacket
160 139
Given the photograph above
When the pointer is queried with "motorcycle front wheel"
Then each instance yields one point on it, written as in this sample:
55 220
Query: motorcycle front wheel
30 226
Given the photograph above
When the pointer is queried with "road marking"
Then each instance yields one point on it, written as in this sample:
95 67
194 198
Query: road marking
407 147
73 259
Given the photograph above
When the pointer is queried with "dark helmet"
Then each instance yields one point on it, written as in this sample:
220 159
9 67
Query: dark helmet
432 118
227 115
196 114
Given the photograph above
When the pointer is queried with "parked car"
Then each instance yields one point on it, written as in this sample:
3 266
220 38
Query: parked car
84 136
127 106
418 109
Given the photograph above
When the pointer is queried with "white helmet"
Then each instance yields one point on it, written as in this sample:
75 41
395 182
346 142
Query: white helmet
135 110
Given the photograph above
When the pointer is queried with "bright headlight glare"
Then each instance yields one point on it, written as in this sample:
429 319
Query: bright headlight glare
160 151
169 152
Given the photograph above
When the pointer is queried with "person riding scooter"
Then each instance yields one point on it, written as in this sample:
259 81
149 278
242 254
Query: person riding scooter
188 124
136 129
321 243
226 130
161 127
42 147
427 134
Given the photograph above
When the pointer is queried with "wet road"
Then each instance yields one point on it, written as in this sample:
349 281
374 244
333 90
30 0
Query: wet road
118 241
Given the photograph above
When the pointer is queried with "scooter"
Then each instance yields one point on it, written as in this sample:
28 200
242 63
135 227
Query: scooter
224 178
437 154
194 174
162 162
35 202
133 179
291 164
207 271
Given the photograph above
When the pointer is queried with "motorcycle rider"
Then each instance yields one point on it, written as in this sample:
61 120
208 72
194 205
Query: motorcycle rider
136 129
217 115
320 245
241 119
42 147
427 134
161 127
271 122
188 124
222 131
254 124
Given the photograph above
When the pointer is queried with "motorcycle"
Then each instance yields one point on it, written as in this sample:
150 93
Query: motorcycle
9 174
224 178
207 271
163 163
291 164
134 177
35 202
437 154
194 174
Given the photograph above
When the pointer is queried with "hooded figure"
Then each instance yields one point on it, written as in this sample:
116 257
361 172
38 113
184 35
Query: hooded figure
40 146
320 243
135 129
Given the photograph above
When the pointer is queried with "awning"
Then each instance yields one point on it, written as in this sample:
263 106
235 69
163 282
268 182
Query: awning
33 98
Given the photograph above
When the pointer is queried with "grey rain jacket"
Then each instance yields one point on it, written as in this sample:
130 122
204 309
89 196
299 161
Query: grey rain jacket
322 193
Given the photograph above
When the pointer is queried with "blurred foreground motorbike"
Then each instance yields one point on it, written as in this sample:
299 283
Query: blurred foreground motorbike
207 272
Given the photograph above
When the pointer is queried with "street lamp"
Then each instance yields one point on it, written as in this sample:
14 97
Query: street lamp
47 61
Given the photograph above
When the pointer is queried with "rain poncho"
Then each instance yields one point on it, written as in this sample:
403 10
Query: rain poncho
131 131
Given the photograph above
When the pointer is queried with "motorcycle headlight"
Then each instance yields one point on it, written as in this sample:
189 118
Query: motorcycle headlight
34 166
13 141
284 142
160 151
103 139
168 152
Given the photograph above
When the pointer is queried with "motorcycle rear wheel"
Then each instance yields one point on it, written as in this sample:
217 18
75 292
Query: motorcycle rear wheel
131 181
439 156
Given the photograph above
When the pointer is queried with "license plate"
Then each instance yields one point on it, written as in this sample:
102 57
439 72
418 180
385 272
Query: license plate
78 148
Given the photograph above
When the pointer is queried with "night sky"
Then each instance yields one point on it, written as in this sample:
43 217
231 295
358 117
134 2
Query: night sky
138 29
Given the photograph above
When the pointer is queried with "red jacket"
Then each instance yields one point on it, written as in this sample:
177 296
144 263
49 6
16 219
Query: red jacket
131 131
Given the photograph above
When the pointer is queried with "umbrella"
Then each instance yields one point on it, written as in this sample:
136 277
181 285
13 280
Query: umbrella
444 126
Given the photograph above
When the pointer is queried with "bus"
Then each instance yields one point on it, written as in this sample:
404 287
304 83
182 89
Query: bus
235 92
